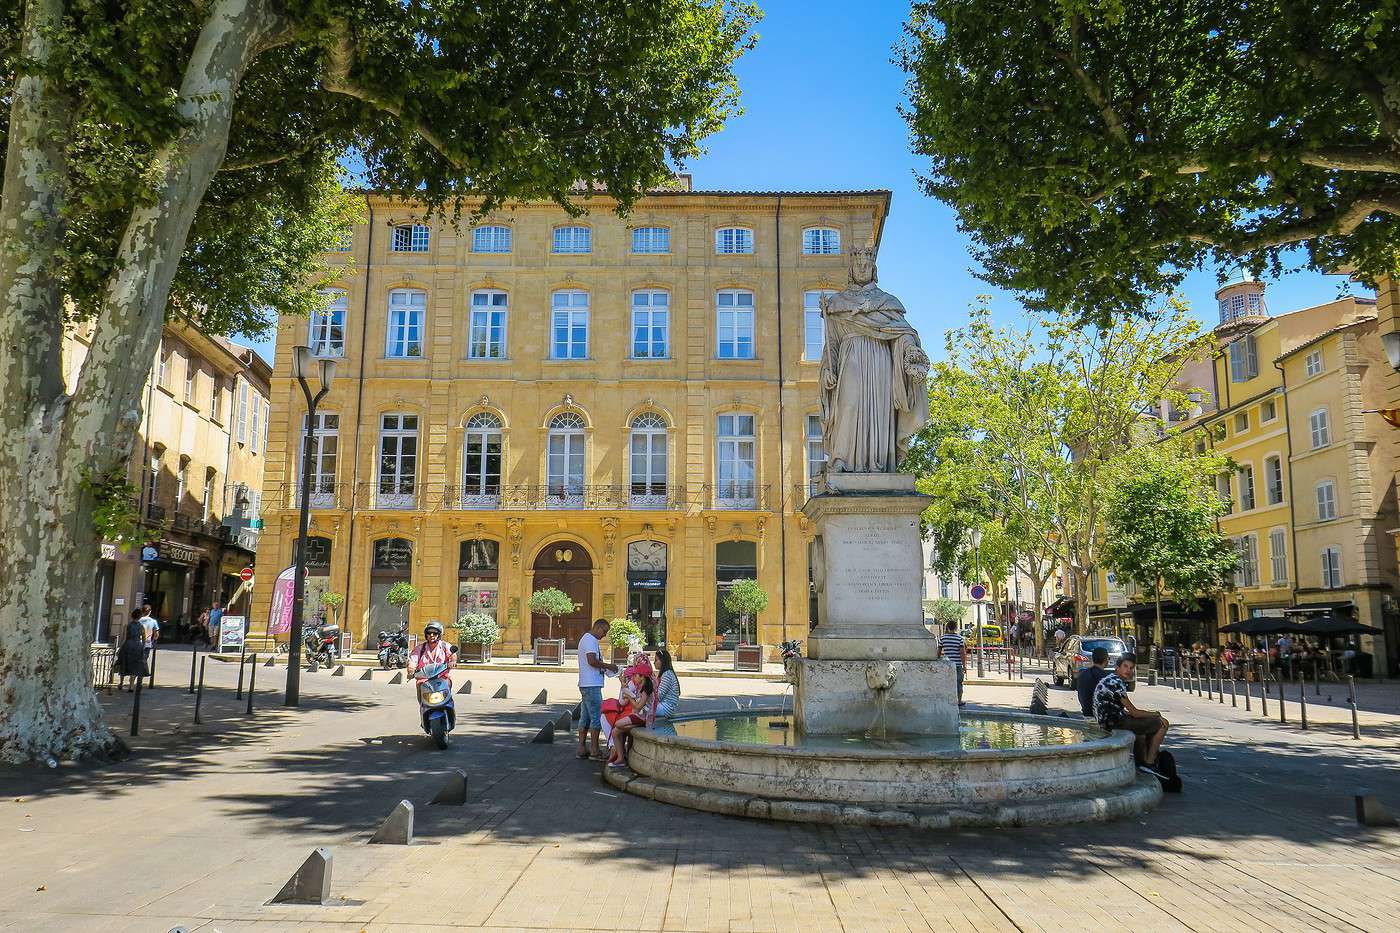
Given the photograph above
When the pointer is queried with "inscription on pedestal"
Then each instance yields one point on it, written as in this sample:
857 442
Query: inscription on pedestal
872 568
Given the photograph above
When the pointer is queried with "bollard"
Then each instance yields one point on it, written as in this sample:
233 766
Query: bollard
194 653
545 736
500 694
1371 812
1282 712
311 884
136 709
397 828
199 693
154 646
465 688
540 699
1263 693
270 662
1234 701
565 722
1010 667
1351 701
1208 682
238 694
1303 701
397 678
1220 683
368 674
252 679
1245 672
454 792
1317 680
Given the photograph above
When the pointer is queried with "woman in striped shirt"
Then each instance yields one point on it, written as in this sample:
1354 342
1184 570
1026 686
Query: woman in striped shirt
668 692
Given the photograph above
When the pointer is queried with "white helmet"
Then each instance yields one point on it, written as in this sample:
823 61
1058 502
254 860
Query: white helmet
433 627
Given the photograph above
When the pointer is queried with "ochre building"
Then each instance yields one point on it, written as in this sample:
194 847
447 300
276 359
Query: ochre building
623 408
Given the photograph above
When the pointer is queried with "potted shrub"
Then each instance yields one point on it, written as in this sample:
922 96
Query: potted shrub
476 633
625 636
402 594
332 603
746 599
551 603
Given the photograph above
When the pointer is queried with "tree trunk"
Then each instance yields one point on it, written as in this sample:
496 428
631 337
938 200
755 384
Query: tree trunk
55 444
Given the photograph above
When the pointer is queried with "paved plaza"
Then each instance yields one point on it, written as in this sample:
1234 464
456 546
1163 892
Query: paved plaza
202 825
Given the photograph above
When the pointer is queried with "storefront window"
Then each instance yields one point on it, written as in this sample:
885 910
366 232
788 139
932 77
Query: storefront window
478 570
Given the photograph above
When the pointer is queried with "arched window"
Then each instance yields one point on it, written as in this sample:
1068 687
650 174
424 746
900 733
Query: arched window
734 324
407 308
573 239
481 462
821 241
648 466
651 317
734 241
327 331
410 238
487 337
398 462
570 325
735 458
564 466
491 238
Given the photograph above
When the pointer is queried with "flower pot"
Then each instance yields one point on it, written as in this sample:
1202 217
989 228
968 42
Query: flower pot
748 657
549 651
473 651
620 655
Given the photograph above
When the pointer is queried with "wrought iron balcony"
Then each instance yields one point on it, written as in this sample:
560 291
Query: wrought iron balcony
564 497
736 496
155 513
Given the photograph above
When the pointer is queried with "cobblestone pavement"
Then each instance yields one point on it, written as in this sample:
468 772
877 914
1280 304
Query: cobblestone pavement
202 825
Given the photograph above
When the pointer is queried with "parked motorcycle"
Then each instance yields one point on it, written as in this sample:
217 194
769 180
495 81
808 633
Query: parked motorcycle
393 649
435 706
321 643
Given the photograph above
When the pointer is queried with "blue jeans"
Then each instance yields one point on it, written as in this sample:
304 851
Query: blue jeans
960 680
591 713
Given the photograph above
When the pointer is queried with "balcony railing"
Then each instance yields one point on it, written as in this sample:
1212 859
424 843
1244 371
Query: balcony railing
183 522
155 513
532 497
736 496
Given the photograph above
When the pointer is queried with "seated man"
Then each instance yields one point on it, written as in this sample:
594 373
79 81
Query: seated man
1114 710
1089 678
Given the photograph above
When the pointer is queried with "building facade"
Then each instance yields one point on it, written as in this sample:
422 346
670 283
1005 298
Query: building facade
624 409
197 466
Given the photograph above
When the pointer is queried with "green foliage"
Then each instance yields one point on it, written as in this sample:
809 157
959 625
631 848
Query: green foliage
746 599
332 602
944 611
477 628
1096 152
115 516
622 632
402 594
552 602
1160 519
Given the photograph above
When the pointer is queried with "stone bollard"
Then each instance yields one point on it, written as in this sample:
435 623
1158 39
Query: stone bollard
565 722
311 883
500 694
540 699
397 828
368 674
453 793
270 662
465 688
339 671
1371 812
545 736
397 678
577 712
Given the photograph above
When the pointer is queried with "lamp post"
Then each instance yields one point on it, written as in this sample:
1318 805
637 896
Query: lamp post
303 361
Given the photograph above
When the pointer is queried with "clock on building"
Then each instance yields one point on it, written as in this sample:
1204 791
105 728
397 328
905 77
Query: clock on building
646 555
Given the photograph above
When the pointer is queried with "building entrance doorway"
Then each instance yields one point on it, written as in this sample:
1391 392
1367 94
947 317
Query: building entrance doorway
646 590
566 566
734 560
391 562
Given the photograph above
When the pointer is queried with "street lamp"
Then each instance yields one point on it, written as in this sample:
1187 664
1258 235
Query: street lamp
303 362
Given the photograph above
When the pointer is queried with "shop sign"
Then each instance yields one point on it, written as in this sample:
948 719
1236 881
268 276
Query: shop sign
150 552
1116 596
231 633
109 551
170 551
646 583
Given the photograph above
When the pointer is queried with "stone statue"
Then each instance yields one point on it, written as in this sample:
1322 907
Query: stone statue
874 375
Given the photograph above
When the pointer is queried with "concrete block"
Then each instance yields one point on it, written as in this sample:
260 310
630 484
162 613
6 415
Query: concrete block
397 678
453 792
465 688
565 722
368 674
270 662
311 883
339 671
397 828
1371 812
499 694
577 712
545 736
540 699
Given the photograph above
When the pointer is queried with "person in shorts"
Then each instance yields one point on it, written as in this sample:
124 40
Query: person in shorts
590 687
1114 710
953 647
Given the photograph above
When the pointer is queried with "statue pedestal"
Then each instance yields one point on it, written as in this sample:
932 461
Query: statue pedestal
868 569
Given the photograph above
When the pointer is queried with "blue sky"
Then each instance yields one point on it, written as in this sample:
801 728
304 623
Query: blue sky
820 93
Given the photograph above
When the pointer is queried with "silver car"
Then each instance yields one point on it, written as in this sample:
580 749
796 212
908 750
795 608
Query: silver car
1077 654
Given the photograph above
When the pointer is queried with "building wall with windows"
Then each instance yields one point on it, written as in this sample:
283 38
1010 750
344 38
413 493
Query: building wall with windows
622 408
196 466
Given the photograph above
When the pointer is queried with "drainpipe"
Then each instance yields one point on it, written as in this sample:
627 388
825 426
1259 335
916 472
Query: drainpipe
1288 438
359 408
782 435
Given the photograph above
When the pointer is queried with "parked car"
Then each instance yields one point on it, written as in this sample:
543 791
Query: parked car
991 635
1077 654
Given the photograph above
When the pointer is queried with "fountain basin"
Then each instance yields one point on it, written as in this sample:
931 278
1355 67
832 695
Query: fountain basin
1047 770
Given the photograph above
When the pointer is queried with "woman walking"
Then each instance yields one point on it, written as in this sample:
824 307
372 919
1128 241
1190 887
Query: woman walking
131 656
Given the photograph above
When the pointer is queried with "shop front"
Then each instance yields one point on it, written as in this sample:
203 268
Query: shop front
478 578
734 560
564 565
391 561
172 572
646 589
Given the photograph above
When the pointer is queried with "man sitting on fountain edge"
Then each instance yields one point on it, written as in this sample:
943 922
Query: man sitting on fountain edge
1114 710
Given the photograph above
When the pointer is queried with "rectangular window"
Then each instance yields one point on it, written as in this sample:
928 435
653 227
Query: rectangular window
325 447
1241 422
267 423
1312 364
1332 568
1268 411
1094 586
398 461
732 241
344 244
734 324
576 239
1246 481
487 337
1273 480
651 314
207 503
491 238
1248 572
162 366
813 327
407 308
1244 359
1326 501
821 241
1222 489
1278 556
410 238
651 239
326 334
255 432
1319 428
241 432
570 325
191 374
736 460
216 400
816 453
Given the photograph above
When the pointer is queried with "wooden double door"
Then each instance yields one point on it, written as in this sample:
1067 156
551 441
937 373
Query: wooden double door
565 566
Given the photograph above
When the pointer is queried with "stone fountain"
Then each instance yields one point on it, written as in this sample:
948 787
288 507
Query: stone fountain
876 735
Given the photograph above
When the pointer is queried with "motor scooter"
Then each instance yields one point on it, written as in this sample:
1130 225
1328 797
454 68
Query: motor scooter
322 643
393 649
435 707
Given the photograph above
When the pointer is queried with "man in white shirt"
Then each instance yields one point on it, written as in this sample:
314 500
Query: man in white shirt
590 687
150 626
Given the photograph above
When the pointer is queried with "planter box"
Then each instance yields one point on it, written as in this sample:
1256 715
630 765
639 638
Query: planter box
549 651
472 651
620 655
748 657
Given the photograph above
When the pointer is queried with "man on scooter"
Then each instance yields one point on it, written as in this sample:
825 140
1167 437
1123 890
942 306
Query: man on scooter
433 650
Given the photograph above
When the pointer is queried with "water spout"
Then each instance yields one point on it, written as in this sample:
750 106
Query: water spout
880 679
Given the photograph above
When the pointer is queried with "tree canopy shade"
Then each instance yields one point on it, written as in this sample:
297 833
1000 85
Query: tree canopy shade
1096 150
166 157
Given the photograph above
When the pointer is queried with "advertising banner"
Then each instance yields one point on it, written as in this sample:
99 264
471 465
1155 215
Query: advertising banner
231 633
280 618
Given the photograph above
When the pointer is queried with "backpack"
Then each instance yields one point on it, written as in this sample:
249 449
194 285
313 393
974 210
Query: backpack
1166 766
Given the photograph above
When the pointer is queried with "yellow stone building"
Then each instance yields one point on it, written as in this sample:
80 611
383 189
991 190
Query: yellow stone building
621 408
197 467
1313 496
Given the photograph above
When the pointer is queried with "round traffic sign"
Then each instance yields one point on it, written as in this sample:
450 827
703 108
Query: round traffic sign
978 592
246 574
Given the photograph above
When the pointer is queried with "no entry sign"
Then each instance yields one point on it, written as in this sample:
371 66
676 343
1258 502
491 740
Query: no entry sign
246 574
978 592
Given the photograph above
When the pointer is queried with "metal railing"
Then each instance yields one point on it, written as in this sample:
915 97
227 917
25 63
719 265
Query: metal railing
743 497
535 497
531 497
155 513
